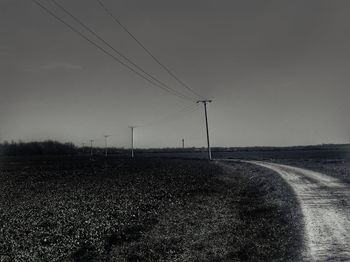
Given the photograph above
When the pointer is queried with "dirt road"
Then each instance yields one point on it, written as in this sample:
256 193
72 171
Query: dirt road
325 203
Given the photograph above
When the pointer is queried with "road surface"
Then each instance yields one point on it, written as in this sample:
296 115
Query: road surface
325 204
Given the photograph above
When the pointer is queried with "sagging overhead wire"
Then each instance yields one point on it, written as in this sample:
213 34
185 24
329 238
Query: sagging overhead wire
113 48
167 118
169 90
171 117
147 50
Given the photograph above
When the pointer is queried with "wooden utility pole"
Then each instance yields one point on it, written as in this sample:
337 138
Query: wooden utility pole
132 140
183 143
106 148
91 143
206 124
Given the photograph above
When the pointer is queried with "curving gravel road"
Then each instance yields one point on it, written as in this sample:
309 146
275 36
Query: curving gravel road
325 203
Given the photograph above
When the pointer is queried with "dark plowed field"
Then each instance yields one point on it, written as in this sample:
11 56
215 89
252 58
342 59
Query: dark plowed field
74 209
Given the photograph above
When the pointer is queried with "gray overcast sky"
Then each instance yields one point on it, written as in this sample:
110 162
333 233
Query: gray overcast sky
278 72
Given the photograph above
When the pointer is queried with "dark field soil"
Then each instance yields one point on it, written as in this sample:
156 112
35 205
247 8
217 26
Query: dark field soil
60 209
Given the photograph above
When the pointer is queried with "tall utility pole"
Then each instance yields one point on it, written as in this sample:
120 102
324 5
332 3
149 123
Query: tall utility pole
91 144
183 143
206 124
106 148
132 140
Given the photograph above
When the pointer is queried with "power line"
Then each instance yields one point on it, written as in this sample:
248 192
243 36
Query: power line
187 110
169 117
113 48
108 53
147 50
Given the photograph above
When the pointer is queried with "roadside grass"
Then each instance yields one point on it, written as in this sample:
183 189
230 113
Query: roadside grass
145 210
273 227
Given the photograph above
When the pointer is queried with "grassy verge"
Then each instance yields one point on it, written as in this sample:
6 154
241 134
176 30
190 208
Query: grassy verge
144 210
272 221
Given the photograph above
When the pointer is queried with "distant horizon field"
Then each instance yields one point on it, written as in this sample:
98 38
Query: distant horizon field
281 153
326 151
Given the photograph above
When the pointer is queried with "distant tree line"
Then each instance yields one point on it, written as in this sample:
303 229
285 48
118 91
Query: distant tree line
37 148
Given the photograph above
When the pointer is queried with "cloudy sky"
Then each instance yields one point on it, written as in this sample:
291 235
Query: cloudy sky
277 71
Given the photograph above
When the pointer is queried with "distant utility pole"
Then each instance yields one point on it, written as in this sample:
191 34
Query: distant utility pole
106 148
183 143
206 124
91 144
132 140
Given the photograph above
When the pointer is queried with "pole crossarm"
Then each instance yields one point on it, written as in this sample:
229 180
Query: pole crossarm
205 101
